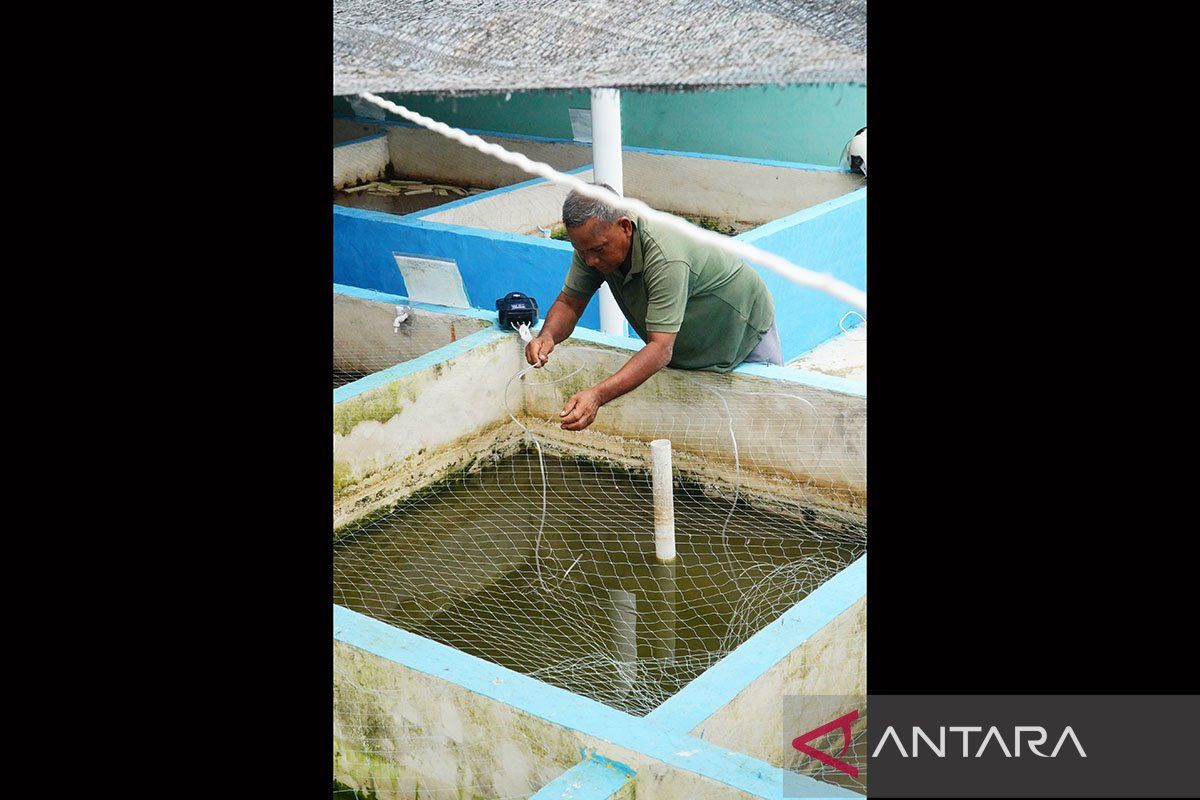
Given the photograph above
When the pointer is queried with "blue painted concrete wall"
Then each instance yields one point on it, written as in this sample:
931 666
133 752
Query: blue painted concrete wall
830 237
492 264
806 123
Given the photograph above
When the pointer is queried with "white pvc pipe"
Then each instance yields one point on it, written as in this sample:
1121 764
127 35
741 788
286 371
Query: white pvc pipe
607 168
661 617
664 501
611 319
624 621
606 138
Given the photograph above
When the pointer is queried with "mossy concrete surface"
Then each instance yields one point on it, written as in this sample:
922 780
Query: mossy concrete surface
400 733
790 444
392 429
355 504
785 432
830 669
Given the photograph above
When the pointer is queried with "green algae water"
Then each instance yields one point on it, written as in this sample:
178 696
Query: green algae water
582 603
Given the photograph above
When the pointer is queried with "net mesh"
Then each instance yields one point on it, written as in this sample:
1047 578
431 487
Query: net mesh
541 557
578 599
370 336
466 47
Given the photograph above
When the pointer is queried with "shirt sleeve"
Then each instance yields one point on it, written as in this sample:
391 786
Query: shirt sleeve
582 281
666 296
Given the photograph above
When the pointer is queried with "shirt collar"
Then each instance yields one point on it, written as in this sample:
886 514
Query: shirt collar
637 263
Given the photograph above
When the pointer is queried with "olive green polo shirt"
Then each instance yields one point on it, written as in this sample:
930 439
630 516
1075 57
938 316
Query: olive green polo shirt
718 307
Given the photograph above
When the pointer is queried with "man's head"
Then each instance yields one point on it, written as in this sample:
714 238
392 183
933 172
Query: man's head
601 234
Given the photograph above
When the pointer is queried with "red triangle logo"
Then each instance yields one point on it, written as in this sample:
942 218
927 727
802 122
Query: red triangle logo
843 722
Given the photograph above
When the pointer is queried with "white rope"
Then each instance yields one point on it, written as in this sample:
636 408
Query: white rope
527 336
845 330
823 282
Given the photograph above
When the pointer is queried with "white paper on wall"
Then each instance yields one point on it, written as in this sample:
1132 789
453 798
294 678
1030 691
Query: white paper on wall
432 280
581 124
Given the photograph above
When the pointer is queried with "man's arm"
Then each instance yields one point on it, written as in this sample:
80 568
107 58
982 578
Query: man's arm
560 322
580 410
666 294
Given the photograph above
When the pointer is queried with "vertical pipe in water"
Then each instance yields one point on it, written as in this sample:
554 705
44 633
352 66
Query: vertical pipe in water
607 168
623 614
664 501
661 614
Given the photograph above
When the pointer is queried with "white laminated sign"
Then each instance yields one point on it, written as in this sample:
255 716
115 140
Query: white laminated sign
432 280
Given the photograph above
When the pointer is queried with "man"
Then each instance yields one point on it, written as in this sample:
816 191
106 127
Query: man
695 307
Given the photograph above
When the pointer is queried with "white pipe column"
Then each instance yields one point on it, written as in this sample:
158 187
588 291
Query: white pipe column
664 501
661 616
623 615
606 167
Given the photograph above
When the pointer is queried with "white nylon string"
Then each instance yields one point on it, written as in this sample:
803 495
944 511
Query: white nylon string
805 277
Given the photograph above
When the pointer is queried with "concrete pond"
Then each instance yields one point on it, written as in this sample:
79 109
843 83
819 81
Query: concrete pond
502 626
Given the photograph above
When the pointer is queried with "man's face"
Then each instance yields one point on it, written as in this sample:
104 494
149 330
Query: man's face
602 245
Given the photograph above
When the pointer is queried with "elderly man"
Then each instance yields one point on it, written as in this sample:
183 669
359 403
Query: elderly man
695 307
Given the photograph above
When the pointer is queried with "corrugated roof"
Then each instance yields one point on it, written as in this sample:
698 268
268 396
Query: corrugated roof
486 46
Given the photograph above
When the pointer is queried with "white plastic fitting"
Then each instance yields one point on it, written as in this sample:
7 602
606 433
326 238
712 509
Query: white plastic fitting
664 501
401 315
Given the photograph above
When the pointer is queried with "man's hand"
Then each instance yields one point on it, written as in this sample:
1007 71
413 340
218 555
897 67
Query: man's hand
537 351
580 410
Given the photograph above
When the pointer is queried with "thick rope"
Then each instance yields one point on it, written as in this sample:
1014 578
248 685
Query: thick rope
816 280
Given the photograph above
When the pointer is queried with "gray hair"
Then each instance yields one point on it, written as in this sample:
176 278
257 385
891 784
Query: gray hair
578 209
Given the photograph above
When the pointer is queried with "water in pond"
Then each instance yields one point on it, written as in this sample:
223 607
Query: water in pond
583 604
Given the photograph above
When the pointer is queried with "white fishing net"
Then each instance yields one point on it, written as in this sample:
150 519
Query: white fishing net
370 336
542 557
544 562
